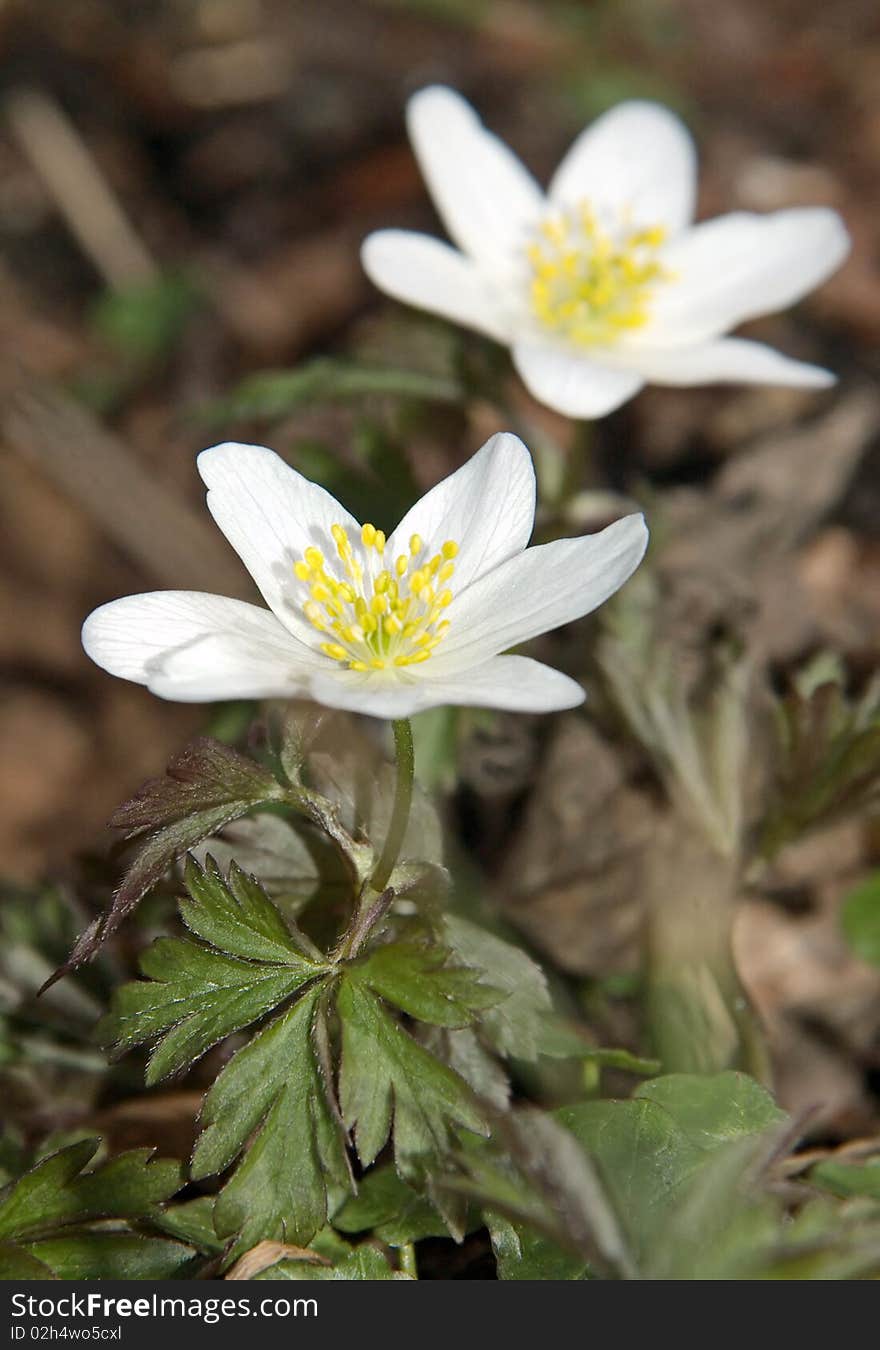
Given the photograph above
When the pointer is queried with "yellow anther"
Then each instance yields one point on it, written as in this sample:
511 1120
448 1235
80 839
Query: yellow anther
590 283
389 621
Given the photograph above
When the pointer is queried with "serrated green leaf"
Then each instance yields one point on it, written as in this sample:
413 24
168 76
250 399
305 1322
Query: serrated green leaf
204 788
237 916
196 995
273 1086
391 1209
515 1025
419 980
58 1192
110 1256
387 1078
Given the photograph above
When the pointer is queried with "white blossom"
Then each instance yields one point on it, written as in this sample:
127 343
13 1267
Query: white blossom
604 283
385 626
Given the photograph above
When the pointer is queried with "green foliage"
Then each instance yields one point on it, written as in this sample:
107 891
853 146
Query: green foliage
204 787
53 1219
387 1079
273 394
195 994
860 919
143 322
847 1179
389 1208
274 1087
420 981
827 761
647 1149
518 1022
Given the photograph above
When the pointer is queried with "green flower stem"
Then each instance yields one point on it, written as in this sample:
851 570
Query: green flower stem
407 1257
403 746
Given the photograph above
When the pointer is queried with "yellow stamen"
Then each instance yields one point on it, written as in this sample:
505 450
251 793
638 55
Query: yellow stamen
592 283
387 622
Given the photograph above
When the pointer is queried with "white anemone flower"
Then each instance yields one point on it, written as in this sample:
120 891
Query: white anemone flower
603 284
384 626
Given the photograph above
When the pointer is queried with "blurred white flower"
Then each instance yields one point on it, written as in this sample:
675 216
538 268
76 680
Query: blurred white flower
604 283
358 621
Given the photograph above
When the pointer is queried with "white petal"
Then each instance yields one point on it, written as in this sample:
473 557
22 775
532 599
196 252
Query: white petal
512 682
573 384
639 158
540 589
487 506
487 200
728 361
270 514
194 647
427 273
739 266
515 683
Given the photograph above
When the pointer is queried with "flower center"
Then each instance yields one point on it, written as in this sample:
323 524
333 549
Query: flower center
590 284
377 616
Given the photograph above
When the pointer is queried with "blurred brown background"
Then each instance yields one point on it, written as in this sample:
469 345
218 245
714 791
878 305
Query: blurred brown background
183 188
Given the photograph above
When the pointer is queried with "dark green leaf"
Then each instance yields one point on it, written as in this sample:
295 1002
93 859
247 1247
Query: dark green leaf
57 1192
386 1075
522 1253
204 788
111 1256
274 1086
421 981
197 995
389 1208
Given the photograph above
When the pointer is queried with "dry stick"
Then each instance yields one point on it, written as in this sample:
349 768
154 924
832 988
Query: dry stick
61 158
180 548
